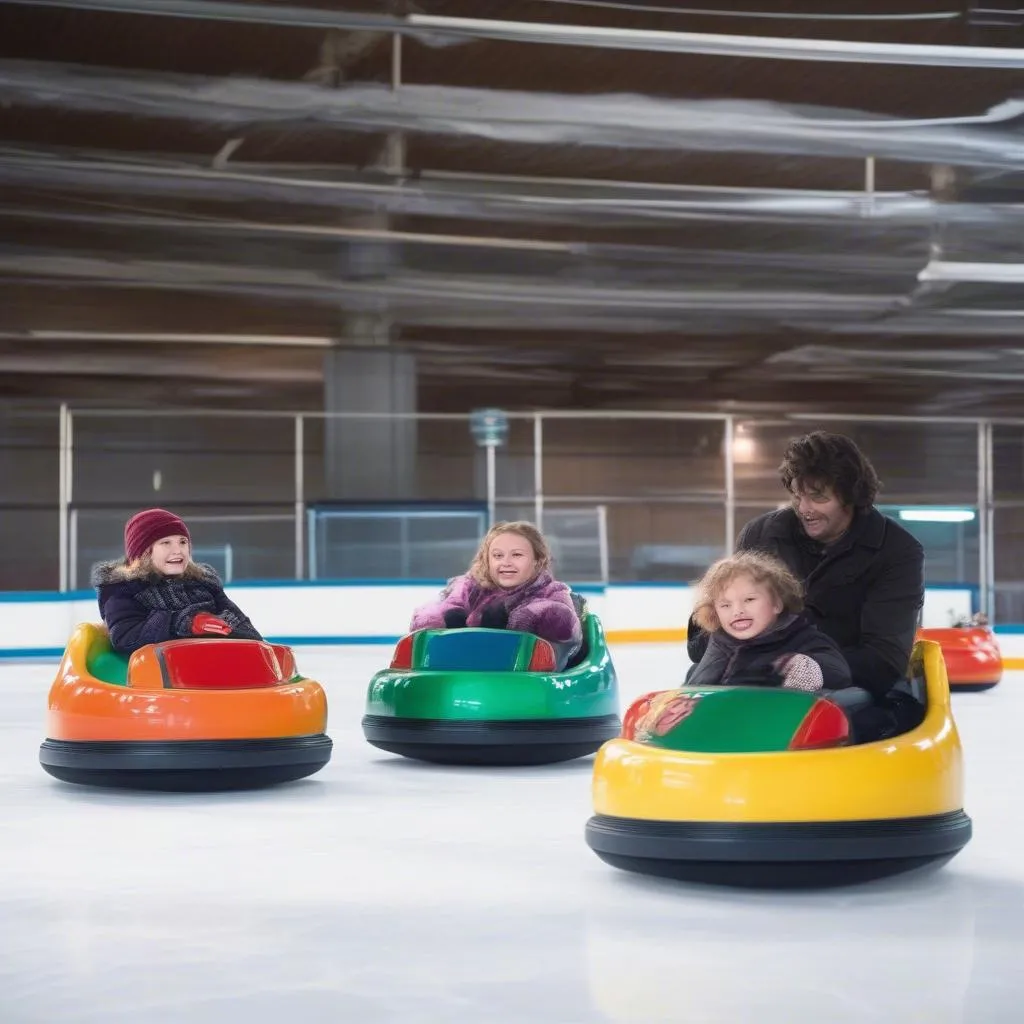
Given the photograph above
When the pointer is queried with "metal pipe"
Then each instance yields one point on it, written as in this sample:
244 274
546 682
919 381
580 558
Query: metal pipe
990 547
718 497
171 338
395 150
311 532
491 487
715 44
277 174
964 272
876 418
73 549
396 61
256 518
538 470
704 12
212 225
728 433
63 495
300 496
869 183
237 13
602 533
651 41
559 414
983 525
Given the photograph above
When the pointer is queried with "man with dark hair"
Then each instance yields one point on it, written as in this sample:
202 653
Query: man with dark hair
863 574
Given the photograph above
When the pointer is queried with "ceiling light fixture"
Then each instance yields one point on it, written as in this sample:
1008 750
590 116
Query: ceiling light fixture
937 515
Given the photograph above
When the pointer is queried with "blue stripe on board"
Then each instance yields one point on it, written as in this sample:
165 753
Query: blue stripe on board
39 596
30 653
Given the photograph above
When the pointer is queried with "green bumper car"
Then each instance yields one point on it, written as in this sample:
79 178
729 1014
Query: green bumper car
494 697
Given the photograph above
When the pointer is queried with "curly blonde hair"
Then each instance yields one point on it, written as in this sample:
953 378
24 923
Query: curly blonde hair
479 568
759 567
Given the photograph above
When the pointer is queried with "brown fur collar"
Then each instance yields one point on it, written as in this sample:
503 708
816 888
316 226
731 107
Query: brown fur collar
119 571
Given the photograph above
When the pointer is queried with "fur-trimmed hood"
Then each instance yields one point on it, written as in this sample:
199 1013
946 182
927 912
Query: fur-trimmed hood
140 606
119 571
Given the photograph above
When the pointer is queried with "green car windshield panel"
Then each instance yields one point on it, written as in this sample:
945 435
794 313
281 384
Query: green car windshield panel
735 721
451 679
470 650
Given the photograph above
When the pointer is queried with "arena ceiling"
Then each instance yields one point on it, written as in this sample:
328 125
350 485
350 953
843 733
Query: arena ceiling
788 204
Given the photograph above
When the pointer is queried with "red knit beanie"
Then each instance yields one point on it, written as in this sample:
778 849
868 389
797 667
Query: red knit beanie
145 528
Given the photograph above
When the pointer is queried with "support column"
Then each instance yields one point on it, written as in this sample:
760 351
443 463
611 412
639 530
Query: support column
370 459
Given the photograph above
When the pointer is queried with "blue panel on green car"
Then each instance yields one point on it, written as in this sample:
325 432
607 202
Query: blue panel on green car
471 650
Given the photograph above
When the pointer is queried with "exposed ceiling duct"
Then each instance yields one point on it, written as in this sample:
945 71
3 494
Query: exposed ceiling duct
216 228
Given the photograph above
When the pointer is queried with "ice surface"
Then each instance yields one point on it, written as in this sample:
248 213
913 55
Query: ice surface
384 890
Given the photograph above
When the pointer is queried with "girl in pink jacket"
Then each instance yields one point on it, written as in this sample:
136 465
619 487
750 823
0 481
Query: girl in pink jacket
508 586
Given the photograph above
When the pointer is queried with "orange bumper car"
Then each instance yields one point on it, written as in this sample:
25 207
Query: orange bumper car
202 714
972 655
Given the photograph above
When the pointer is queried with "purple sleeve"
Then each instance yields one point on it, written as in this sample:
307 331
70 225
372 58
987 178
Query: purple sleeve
551 617
431 615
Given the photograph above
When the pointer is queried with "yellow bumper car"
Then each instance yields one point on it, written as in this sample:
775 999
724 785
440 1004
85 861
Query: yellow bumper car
763 787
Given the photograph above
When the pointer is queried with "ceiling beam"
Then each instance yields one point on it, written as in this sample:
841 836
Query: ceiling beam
440 30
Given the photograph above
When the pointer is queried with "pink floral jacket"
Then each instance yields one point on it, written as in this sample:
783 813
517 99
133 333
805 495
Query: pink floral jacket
543 607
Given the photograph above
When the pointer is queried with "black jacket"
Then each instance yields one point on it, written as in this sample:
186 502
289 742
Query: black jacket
865 591
728 660
152 609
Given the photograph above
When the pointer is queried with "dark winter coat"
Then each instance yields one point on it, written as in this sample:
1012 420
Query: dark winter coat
151 609
865 591
729 661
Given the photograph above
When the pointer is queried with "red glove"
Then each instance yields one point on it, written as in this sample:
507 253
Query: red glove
204 624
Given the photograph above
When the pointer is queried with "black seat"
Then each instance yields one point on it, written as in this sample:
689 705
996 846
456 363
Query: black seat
578 656
903 708
850 698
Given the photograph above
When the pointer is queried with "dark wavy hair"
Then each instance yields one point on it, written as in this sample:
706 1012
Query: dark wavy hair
832 460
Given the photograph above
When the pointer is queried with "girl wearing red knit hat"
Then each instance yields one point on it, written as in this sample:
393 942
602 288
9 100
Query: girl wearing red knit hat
157 593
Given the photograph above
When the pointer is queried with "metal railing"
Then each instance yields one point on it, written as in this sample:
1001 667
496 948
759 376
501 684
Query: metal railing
663 491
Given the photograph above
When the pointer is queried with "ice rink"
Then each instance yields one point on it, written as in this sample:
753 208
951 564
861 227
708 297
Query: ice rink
385 890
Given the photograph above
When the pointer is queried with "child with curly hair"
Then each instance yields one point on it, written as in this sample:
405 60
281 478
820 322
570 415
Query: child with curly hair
750 604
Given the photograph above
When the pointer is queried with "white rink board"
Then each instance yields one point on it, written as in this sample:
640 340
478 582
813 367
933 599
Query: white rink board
39 624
